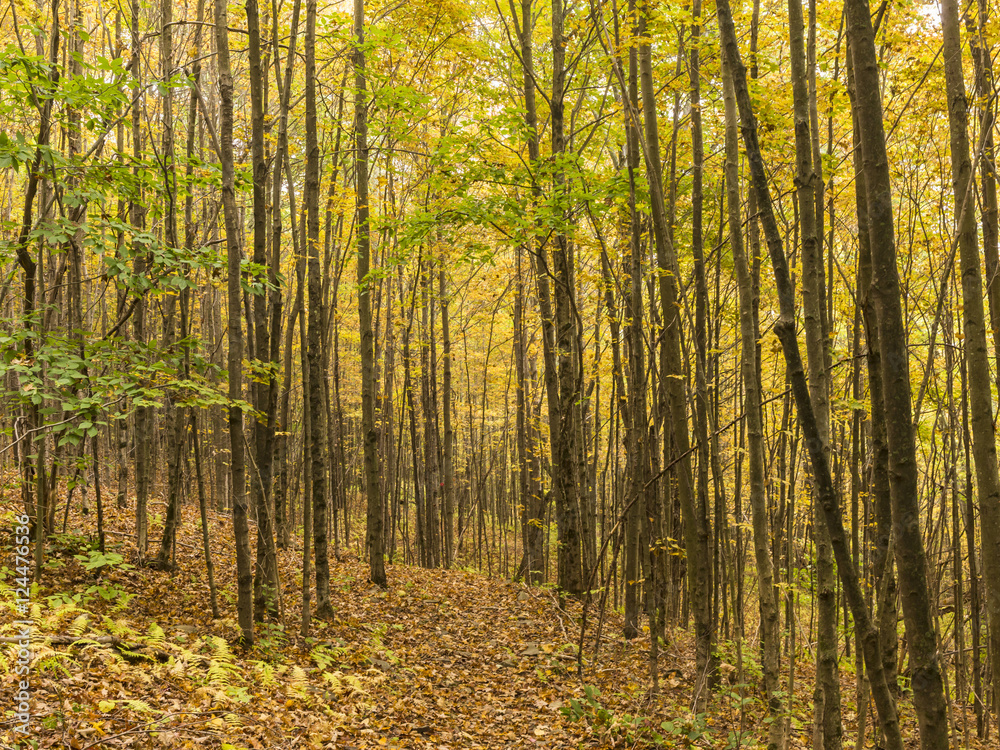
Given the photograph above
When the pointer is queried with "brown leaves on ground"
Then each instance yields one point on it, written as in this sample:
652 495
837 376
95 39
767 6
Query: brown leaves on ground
442 659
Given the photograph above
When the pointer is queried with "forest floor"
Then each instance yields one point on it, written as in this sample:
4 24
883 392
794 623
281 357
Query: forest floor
441 659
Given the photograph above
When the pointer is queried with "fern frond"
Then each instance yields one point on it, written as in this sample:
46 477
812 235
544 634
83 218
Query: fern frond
221 648
79 624
220 673
298 679
341 684
121 628
265 673
123 602
335 682
156 637
140 706
354 682
178 668
134 656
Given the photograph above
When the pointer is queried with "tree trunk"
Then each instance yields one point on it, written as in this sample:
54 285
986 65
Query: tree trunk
143 433
375 541
241 531
565 432
928 689
885 580
265 584
448 481
826 699
976 350
770 620
694 523
785 330
281 514
317 411
174 417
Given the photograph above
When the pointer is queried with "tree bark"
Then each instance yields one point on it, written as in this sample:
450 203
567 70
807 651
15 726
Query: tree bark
265 582
976 349
928 689
448 480
885 580
241 531
785 330
770 619
317 411
375 542
826 698
281 514
565 431
695 525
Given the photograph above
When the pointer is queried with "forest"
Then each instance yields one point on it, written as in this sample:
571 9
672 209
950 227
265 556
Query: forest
499 373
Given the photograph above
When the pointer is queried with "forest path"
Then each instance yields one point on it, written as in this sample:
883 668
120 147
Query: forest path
440 659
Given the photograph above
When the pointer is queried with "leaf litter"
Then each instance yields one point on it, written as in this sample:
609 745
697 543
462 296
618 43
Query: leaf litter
441 659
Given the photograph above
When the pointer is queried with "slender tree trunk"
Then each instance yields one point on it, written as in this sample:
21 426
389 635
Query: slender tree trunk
448 481
174 417
979 44
203 509
531 498
265 584
282 435
885 580
701 408
928 688
375 541
785 330
307 437
976 350
826 699
695 525
770 620
565 432
244 566
637 447
317 411
34 469
143 433
432 485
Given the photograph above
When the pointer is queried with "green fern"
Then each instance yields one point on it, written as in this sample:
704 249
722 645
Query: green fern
134 656
123 602
139 706
221 667
119 628
264 673
220 647
156 637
